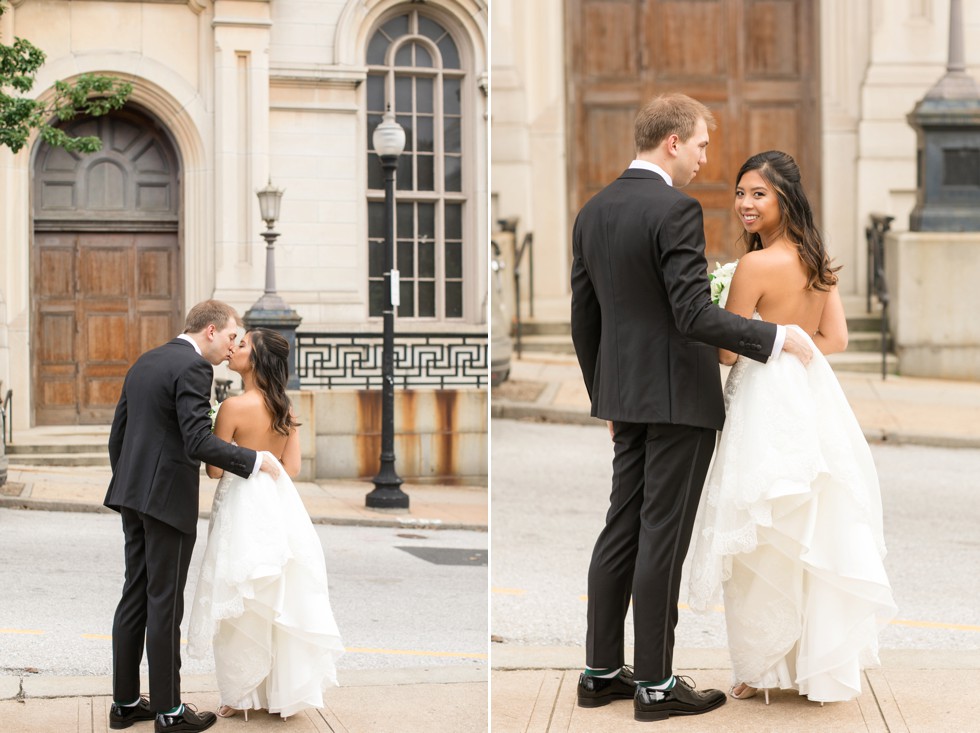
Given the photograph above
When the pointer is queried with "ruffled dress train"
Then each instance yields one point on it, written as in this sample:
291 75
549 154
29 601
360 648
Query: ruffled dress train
790 529
262 599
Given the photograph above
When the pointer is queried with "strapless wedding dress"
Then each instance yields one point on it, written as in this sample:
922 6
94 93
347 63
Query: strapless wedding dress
790 528
262 599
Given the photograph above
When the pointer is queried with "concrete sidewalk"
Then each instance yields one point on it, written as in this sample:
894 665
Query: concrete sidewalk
431 506
436 700
897 410
913 692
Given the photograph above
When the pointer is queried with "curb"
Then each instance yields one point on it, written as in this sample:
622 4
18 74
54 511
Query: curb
501 409
42 687
14 502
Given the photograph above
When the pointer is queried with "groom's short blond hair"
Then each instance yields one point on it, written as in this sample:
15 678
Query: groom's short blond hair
208 313
669 114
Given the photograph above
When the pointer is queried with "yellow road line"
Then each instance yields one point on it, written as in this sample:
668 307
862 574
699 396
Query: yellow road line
509 591
407 652
893 622
417 653
36 632
933 625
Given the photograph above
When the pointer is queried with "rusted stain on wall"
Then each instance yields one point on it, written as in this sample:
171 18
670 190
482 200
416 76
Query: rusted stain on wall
413 431
444 442
367 441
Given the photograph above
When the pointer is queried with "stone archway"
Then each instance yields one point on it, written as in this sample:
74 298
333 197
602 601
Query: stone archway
105 264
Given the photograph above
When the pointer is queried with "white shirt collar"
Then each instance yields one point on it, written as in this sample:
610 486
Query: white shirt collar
192 343
647 165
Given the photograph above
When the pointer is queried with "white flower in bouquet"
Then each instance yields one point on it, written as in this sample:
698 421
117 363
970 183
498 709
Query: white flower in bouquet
213 414
720 279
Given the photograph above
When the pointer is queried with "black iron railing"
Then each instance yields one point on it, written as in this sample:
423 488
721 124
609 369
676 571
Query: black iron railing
526 246
6 424
353 360
877 284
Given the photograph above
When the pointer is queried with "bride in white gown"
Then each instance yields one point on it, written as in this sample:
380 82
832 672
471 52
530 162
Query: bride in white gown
790 523
262 597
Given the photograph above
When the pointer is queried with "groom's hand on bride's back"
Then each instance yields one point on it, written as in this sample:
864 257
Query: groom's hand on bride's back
798 346
269 466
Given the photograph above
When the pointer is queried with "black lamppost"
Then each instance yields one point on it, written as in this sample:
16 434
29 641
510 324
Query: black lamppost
389 142
271 311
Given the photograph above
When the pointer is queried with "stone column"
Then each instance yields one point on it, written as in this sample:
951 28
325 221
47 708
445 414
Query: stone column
242 30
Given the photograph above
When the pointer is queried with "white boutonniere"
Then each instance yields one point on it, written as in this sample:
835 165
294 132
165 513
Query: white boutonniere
720 281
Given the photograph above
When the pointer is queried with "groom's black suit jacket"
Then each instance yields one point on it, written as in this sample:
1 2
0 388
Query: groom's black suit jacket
642 316
160 434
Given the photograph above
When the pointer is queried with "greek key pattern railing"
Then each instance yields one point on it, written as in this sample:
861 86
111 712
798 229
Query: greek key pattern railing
354 360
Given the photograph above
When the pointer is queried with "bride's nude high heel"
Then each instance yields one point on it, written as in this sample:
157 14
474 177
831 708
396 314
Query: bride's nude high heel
226 711
747 692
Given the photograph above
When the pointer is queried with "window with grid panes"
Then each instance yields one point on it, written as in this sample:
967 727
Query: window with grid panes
414 65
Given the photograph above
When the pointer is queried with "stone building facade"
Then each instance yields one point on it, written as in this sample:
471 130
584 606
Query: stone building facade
103 254
842 77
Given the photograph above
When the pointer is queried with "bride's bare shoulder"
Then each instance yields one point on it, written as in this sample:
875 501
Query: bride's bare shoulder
240 405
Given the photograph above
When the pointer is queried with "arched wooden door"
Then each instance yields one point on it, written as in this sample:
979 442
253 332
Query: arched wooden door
105 264
754 63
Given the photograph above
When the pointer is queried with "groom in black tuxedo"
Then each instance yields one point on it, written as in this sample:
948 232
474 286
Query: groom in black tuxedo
160 434
642 322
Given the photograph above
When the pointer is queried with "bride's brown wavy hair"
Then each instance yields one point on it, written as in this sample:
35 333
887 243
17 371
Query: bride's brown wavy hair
782 174
269 359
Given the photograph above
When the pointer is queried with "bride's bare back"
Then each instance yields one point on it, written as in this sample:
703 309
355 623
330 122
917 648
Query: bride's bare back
245 420
773 282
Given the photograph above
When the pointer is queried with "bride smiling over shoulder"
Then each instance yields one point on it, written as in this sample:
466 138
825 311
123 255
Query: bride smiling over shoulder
790 525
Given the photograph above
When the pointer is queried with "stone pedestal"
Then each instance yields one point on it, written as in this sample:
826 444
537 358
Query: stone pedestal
276 315
934 286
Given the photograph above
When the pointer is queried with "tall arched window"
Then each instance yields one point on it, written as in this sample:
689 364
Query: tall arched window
414 65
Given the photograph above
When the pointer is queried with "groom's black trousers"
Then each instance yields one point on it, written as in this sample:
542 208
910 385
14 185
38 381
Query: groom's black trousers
658 472
152 605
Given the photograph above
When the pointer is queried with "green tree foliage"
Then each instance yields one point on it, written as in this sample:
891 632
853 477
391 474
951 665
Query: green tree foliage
19 115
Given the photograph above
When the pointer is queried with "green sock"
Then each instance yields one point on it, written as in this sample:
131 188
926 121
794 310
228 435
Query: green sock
176 711
605 673
666 684
127 704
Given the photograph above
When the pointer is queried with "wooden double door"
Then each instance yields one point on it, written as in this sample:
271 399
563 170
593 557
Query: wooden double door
101 299
105 264
754 63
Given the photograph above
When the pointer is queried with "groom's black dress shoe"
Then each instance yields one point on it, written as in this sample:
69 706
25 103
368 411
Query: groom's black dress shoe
123 717
188 720
682 699
594 692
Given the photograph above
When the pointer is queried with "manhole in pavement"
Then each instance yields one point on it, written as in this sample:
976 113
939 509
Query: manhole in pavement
448 555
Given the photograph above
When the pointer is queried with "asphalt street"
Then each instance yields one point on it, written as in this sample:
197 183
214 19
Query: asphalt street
550 493
402 598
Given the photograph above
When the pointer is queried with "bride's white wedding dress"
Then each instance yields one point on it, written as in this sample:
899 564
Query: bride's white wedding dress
790 526
262 599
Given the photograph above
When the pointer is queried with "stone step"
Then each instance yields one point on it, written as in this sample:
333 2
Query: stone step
863 341
60 459
864 362
856 324
558 344
858 343
28 449
540 327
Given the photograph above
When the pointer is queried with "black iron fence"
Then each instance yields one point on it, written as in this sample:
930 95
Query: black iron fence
353 360
6 421
877 284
